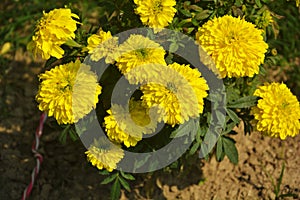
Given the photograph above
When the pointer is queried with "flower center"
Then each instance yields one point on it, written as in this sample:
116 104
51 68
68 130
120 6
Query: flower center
284 104
141 53
157 8
171 87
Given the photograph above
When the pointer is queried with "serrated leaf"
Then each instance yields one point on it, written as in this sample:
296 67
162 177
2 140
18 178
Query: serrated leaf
125 184
230 150
115 190
233 116
127 176
219 150
109 179
243 102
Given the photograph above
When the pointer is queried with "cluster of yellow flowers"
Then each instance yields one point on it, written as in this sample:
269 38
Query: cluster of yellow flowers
172 93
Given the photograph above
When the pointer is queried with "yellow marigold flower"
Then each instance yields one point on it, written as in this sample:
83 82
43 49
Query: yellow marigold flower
235 45
102 45
68 92
178 93
277 112
104 155
156 13
128 124
136 51
53 30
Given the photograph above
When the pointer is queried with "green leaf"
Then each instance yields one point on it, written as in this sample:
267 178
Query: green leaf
173 47
243 102
194 22
258 3
194 148
203 15
229 128
109 179
188 127
279 181
238 3
72 43
196 8
73 134
127 176
63 136
233 116
219 150
115 190
230 149
104 172
125 184
185 12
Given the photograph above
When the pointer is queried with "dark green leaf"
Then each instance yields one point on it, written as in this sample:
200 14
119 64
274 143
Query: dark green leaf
194 148
115 190
196 8
73 134
243 102
125 184
233 116
279 181
219 149
104 172
109 179
229 128
194 22
188 127
238 3
127 176
63 136
258 3
203 15
230 149
185 12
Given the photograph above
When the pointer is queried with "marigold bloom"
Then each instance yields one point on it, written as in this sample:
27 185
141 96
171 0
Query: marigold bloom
128 124
156 13
178 93
235 45
102 45
68 92
136 51
53 30
277 112
104 154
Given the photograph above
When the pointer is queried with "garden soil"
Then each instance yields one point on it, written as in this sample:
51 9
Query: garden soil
66 174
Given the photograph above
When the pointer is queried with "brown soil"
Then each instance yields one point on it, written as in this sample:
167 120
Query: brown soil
65 173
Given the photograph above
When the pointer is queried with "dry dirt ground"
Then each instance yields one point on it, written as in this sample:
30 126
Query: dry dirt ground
65 173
